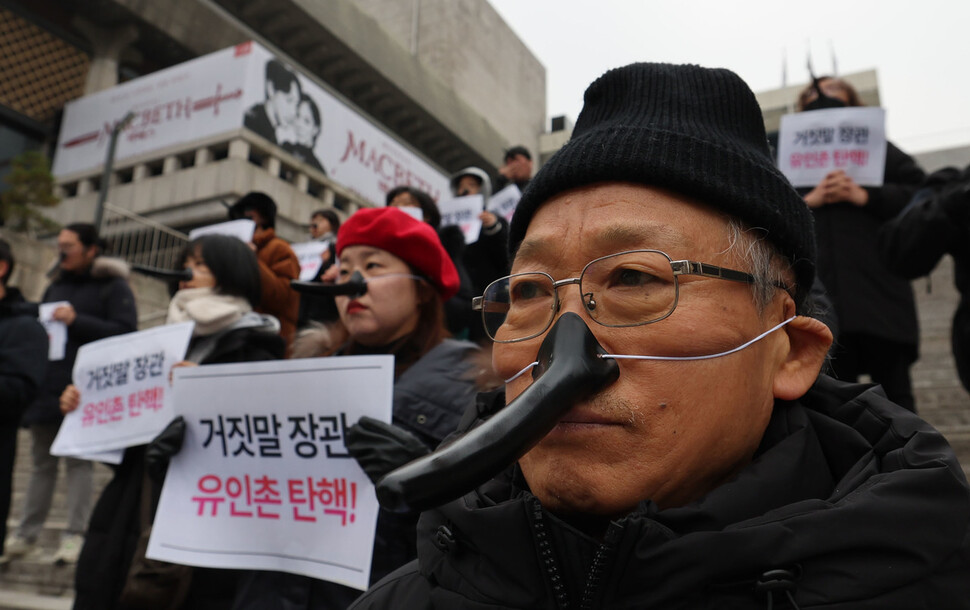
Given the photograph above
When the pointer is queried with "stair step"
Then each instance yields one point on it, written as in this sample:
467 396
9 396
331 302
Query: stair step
24 600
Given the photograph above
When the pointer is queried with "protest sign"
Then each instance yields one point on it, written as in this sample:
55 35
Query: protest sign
108 457
242 228
463 212
503 202
813 144
125 392
310 254
56 331
263 480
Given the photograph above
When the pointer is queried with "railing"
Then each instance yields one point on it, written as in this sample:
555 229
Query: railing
141 240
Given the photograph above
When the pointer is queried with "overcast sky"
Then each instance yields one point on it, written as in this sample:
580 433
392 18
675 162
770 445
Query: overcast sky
921 50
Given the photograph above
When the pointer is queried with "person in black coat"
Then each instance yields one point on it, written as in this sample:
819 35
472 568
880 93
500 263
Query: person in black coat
100 305
937 222
875 307
23 361
409 277
665 439
219 299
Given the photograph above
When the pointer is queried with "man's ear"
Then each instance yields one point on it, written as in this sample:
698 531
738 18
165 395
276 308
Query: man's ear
808 343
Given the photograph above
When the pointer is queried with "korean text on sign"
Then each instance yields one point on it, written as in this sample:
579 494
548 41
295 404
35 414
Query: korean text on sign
813 144
263 497
264 480
125 393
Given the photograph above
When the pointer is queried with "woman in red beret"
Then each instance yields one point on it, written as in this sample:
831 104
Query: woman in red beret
405 276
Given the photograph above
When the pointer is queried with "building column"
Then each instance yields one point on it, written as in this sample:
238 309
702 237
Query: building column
107 44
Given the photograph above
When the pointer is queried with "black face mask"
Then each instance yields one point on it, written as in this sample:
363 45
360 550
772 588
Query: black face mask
823 101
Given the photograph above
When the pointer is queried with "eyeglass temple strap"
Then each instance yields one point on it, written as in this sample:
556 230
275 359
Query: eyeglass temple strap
705 357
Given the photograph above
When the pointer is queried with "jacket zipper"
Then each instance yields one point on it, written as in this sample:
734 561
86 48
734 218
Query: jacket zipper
547 555
604 553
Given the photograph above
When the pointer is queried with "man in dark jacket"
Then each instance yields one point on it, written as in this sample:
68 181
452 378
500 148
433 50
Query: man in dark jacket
689 455
99 304
23 360
937 222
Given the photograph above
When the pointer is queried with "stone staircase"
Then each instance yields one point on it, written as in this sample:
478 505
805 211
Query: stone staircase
35 583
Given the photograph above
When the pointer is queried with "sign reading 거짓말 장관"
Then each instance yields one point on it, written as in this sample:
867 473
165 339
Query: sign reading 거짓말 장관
263 480
813 144
243 86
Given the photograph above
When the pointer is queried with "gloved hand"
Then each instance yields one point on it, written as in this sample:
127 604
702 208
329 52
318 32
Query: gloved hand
160 451
380 448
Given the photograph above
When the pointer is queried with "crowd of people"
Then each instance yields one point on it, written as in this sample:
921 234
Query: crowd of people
713 448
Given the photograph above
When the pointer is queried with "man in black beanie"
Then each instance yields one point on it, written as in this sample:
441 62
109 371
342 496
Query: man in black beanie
713 466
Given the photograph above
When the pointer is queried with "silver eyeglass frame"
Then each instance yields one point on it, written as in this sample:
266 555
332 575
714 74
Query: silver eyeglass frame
679 267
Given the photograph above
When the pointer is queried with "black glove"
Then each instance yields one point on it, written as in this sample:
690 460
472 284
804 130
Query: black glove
380 448
160 451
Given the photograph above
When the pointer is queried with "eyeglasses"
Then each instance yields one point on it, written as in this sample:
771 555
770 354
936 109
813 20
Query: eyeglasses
629 288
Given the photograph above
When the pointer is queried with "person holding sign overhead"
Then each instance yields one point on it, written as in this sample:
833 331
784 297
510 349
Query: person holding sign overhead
218 293
875 307
404 277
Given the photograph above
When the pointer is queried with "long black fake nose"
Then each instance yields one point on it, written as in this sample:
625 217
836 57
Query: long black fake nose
178 275
569 371
356 287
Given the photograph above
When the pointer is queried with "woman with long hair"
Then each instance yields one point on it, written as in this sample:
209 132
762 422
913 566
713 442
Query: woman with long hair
218 294
404 277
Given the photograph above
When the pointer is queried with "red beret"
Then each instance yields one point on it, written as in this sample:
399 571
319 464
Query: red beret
411 240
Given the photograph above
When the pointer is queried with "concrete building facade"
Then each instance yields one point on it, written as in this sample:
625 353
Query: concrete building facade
450 81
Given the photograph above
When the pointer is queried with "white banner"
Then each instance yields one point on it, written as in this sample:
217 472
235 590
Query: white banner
813 144
263 480
242 228
193 100
125 393
244 86
503 202
56 330
311 254
463 212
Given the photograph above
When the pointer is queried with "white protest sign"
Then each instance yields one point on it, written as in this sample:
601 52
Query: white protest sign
125 393
463 212
503 202
108 457
813 144
243 228
310 254
263 480
56 331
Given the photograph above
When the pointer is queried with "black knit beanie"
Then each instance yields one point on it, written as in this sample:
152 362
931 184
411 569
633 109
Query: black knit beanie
696 131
